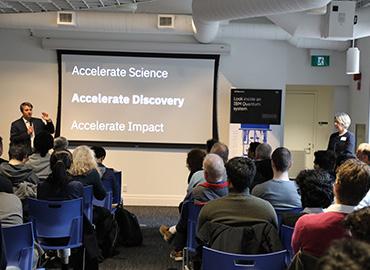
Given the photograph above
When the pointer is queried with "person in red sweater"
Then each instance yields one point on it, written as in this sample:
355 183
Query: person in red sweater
314 233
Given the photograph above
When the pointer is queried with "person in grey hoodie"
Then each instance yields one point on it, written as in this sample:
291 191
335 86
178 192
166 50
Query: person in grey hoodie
23 179
39 161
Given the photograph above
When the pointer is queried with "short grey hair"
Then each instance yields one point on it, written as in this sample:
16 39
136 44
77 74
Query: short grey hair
343 119
263 151
60 143
214 166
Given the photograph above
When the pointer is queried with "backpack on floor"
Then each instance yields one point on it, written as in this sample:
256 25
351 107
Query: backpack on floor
106 231
129 229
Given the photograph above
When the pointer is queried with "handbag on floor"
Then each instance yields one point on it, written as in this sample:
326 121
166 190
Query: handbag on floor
129 229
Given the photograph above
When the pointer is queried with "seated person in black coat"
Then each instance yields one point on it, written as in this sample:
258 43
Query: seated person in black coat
24 130
263 164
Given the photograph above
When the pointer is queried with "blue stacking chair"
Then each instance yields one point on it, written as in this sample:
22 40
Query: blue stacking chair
219 260
19 245
191 243
57 225
87 202
286 233
106 202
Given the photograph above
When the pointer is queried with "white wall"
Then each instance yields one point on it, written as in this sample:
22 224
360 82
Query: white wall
360 99
157 176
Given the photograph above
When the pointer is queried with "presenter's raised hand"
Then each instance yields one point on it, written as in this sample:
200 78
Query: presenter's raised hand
45 116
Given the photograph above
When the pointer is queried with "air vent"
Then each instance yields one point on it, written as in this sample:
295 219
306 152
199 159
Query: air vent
66 18
166 21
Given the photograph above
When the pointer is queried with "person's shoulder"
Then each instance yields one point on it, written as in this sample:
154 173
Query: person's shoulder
18 121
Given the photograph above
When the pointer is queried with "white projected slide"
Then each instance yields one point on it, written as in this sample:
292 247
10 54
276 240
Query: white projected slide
137 98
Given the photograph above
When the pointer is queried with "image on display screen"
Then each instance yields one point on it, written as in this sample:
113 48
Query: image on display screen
127 98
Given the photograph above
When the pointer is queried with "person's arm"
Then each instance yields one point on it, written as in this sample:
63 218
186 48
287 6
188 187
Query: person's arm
98 188
297 234
49 126
17 135
331 143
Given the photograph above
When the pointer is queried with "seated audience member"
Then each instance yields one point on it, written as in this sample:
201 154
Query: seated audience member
313 233
10 205
23 179
1 151
363 154
39 161
239 206
281 192
358 223
252 149
59 184
263 164
194 161
214 187
209 144
316 194
346 254
85 169
198 177
325 160
106 174
60 143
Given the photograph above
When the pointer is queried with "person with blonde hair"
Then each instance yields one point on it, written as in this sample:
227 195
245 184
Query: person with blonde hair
85 169
342 142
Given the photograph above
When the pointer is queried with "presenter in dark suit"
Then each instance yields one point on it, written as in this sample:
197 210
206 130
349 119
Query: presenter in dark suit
342 142
24 130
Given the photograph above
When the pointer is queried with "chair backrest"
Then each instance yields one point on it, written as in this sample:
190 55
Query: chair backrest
19 245
286 233
280 212
87 202
193 214
218 260
106 202
118 177
57 224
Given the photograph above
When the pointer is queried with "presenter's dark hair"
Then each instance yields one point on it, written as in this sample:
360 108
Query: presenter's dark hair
43 143
99 151
17 151
240 173
26 103
282 159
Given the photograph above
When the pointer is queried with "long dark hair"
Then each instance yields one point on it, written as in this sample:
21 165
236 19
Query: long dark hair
60 162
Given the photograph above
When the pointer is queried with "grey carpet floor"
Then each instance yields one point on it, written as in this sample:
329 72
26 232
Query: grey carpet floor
154 253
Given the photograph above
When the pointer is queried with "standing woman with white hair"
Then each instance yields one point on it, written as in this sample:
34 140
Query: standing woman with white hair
342 142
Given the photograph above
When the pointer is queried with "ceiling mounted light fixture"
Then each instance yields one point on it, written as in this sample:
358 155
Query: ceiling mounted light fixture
353 60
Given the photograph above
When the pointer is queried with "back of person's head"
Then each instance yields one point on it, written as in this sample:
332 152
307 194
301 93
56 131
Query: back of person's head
240 173
194 160
315 188
17 152
222 150
252 149
263 151
60 162
99 152
343 119
43 142
282 159
210 143
60 143
325 160
343 157
214 167
352 182
83 161
363 152
346 254
358 223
